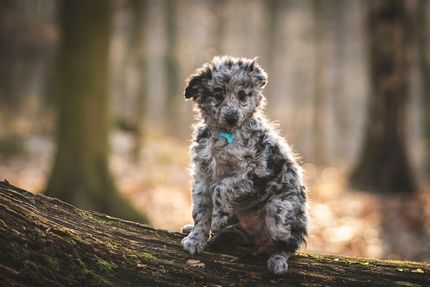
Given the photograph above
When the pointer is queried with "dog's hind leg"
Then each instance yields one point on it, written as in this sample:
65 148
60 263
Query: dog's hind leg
232 239
286 225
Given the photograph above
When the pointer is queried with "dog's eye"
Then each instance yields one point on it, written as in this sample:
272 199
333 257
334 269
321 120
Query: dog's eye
242 96
218 97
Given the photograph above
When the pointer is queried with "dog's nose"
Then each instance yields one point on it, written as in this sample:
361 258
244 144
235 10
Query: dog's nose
231 119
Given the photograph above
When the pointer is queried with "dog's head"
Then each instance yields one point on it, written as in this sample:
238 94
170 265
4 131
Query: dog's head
227 90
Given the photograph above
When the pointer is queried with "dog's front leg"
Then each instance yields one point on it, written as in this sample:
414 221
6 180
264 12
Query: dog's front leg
224 193
222 206
196 241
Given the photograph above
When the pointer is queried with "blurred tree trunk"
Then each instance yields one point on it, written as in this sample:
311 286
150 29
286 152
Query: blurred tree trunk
320 89
139 61
339 12
424 60
383 164
27 47
172 69
274 10
81 175
218 8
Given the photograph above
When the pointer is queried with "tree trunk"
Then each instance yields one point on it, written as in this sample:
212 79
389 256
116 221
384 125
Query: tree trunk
383 165
218 7
340 25
81 175
270 60
319 125
173 115
46 242
424 60
138 56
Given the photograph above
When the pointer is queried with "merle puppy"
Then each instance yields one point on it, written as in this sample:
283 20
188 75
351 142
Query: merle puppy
245 175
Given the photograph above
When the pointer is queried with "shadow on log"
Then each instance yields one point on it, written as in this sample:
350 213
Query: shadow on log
46 242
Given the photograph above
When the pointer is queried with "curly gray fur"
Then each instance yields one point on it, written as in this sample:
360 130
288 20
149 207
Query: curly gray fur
254 182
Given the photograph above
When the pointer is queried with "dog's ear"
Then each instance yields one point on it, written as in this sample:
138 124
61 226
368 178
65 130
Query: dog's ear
259 75
195 83
252 64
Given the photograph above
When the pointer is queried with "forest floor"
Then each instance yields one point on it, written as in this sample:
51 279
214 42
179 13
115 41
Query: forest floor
343 221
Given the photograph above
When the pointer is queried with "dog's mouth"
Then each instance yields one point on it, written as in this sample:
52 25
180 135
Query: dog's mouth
229 127
230 121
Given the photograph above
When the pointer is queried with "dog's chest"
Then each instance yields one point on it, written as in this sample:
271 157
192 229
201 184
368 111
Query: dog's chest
226 158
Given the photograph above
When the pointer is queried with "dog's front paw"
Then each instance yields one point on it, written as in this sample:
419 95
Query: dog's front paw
277 264
192 244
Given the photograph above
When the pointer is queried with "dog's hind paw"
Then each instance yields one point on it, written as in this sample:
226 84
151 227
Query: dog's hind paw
277 264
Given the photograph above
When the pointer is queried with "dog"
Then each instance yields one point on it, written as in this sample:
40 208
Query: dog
245 177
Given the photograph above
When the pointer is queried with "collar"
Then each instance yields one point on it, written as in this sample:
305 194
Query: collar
228 136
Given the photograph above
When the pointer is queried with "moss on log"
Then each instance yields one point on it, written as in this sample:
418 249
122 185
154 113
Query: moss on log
46 242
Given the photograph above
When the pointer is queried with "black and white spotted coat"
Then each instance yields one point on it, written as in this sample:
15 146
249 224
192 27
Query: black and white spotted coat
254 181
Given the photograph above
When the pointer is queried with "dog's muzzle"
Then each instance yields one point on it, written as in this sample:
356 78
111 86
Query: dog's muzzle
231 119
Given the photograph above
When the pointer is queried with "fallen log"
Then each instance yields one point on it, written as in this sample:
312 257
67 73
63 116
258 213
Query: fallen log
46 242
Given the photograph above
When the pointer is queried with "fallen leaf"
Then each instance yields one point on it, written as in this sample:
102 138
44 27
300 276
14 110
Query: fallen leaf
195 263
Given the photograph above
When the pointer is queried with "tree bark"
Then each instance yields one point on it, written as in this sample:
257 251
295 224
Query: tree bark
384 165
46 242
81 174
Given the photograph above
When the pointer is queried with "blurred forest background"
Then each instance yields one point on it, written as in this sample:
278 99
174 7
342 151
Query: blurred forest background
92 111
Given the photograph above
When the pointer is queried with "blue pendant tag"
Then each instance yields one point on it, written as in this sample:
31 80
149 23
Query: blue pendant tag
228 136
